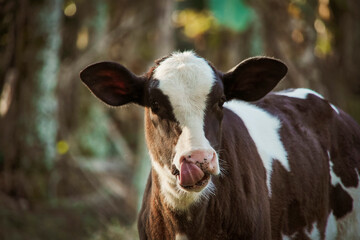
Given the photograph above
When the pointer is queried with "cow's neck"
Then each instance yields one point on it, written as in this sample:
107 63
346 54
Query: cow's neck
170 214
173 221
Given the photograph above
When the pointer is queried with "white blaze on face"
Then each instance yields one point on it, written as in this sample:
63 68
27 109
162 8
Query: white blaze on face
187 80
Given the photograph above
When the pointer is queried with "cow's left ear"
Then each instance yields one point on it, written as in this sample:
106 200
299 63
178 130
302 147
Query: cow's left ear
113 83
253 78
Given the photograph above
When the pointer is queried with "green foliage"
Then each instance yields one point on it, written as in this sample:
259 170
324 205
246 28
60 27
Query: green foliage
92 135
233 14
100 20
256 42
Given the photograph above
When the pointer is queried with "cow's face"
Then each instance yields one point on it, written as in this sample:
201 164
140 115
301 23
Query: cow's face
183 97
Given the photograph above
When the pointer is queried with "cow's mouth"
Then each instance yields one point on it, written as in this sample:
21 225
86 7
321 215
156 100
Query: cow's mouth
191 177
197 186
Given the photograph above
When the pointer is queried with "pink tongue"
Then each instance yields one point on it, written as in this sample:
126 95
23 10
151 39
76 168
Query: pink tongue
190 174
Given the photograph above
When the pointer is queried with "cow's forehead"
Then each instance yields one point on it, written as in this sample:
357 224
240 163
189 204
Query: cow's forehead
187 80
185 72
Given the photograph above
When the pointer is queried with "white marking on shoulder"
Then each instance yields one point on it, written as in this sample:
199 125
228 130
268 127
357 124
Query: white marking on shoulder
264 130
302 93
286 237
333 177
335 108
314 234
348 227
181 236
331 228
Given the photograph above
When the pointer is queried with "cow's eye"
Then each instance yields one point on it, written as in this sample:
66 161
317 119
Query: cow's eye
221 101
155 106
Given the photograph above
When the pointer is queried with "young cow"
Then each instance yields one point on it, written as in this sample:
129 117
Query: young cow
229 162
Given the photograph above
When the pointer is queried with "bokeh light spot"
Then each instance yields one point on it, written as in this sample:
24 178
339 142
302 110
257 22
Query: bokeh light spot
62 147
319 26
194 23
324 11
294 11
82 38
70 9
297 36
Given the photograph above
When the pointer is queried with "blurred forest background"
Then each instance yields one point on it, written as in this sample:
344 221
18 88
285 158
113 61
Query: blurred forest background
72 168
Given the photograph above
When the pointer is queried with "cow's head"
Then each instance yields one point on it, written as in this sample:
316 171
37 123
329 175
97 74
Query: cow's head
183 96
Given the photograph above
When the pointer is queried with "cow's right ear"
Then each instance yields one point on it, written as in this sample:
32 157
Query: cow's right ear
113 83
253 78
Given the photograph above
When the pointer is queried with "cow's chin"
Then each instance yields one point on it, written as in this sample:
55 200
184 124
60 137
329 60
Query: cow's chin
197 187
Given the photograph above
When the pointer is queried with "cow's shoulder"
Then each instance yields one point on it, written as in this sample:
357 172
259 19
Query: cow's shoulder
264 128
299 104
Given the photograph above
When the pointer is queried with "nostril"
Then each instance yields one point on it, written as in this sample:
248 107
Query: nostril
209 157
174 170
184 158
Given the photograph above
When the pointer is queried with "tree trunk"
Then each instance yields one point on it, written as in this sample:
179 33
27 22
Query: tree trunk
28 135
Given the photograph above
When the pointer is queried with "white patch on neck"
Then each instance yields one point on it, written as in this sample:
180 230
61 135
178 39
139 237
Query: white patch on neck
264 130
302 93
187 80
